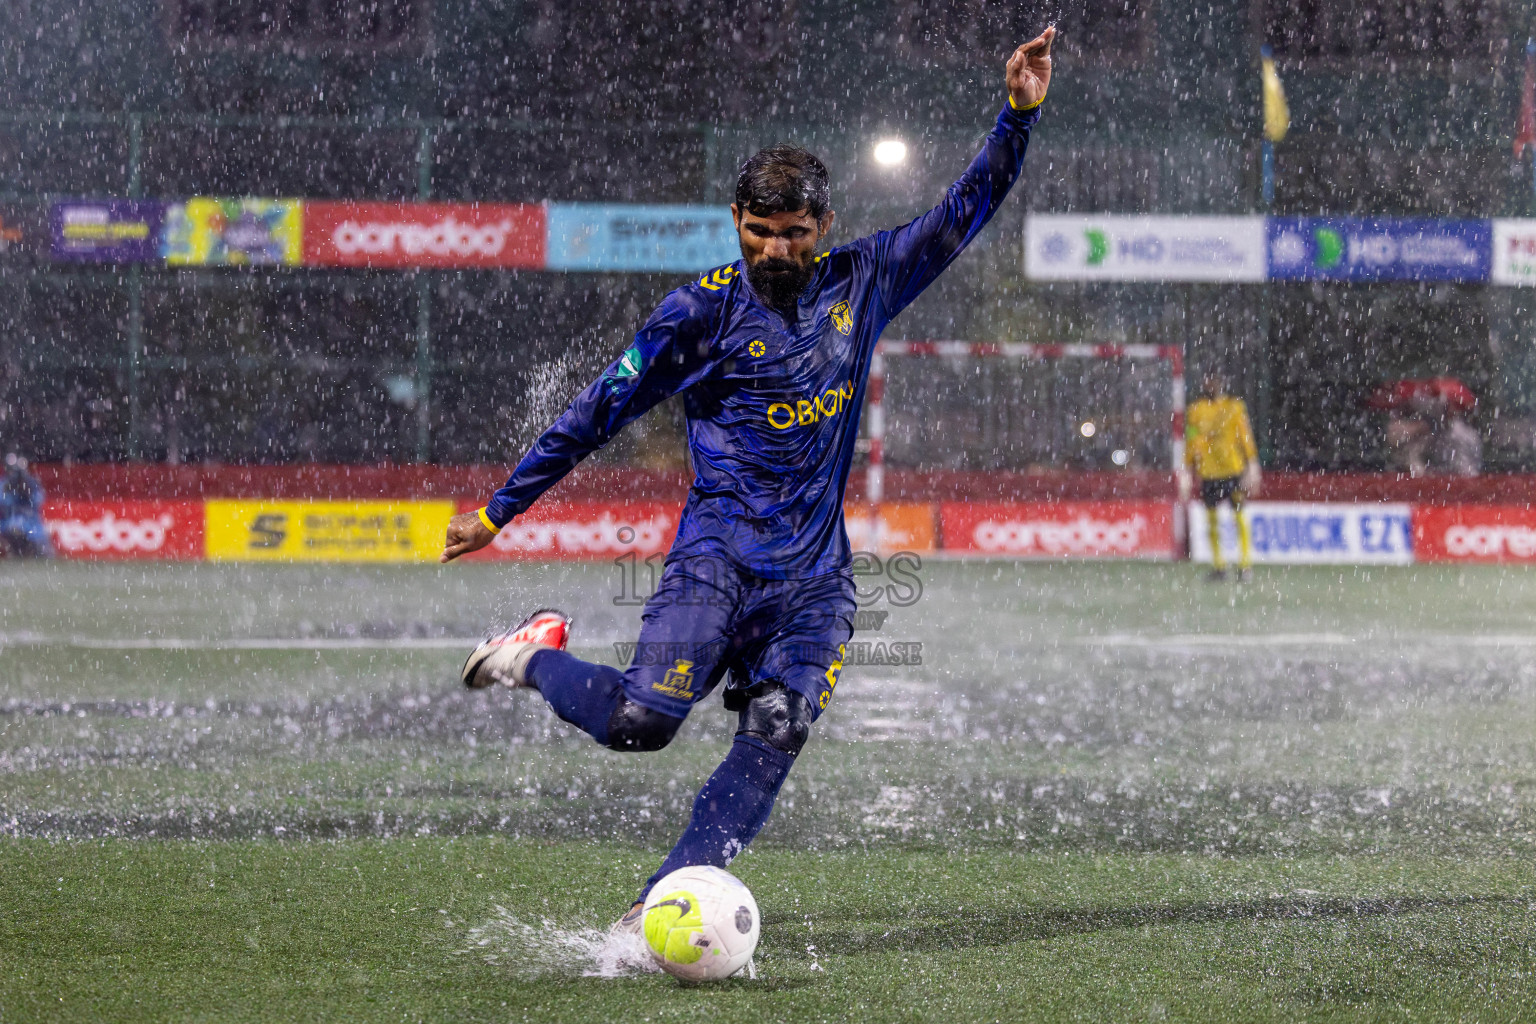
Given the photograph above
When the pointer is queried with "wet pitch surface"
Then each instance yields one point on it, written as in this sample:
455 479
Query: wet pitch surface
1055 708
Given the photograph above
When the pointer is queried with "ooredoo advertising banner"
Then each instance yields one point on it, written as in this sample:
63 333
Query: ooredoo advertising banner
232 232
1306 533
636 237
106 230
1474 533
558 530
125 529
326 531
1132 248
1379 249
1099 529
463 235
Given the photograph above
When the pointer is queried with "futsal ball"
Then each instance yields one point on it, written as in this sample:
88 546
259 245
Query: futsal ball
701 923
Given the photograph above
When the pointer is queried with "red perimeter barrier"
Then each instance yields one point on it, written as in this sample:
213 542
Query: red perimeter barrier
594 483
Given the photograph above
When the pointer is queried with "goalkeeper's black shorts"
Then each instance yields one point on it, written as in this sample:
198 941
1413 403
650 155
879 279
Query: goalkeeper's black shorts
1227 488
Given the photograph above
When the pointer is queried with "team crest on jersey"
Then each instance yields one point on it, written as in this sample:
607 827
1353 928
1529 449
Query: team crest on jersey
756 348
842 317
678 682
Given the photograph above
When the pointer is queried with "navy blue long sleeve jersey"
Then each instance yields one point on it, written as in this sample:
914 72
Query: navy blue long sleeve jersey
773 406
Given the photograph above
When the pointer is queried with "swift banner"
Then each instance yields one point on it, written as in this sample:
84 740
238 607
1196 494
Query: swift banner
125 529
1066 529
465 235
1304 533
1379 249
326 531
1128 248
106 230
232 232
657 238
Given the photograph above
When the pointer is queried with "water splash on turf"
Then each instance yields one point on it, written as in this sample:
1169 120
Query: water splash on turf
548 949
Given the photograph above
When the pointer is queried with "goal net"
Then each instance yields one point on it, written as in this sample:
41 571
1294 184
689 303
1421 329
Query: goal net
1024 408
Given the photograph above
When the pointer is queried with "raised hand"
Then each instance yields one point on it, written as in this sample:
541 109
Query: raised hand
1029 70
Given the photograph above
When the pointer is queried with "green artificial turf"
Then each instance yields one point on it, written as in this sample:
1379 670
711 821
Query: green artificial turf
409 929
1109 792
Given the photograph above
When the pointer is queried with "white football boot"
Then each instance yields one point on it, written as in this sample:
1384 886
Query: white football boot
630 923
504 658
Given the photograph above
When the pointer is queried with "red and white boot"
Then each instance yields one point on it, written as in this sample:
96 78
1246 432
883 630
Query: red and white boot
504 658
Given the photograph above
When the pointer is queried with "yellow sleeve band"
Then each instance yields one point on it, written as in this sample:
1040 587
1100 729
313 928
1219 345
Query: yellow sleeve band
487 520
1025 110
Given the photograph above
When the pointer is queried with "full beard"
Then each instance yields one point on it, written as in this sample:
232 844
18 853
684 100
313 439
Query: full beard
780 283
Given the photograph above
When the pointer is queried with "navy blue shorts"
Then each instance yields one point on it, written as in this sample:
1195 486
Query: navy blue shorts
708 617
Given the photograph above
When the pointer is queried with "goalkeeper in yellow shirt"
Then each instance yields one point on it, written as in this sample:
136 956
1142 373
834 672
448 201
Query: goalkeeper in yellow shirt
1220 450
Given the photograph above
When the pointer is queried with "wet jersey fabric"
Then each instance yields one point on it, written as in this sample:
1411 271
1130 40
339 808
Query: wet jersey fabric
772 404
707 618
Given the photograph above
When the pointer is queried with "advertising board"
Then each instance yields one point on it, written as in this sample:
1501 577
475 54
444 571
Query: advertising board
581 530
1133 248
125 529
1474 533
1379 249
205 231
464 235
892 526
1514 252
326 531
24 233
1306 533
1065 529
636 237
106 230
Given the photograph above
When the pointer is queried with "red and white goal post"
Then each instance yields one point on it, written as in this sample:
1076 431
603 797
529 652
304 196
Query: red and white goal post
1069 392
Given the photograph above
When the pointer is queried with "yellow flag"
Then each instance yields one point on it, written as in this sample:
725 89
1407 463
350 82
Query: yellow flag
1277 116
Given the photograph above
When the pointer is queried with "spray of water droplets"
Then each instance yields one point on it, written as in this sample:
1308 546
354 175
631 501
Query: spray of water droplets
548 949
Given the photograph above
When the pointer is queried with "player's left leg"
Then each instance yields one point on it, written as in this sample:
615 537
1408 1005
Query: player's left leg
1244 536
791 677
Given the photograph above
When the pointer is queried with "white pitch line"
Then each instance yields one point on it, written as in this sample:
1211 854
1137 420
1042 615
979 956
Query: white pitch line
1299 640
249 644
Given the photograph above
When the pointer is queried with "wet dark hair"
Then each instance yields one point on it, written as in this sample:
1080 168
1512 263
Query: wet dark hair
783 179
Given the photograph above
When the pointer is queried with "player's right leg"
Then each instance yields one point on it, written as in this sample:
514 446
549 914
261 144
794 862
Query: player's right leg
677 659
1213 529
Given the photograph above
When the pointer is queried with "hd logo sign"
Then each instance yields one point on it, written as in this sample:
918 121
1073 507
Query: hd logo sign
326 531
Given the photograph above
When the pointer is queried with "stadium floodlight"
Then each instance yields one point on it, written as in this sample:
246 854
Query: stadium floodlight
890 152
1088 429
1120 456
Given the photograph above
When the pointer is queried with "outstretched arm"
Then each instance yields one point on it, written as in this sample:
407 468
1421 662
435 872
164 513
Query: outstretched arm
669 354
913 255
